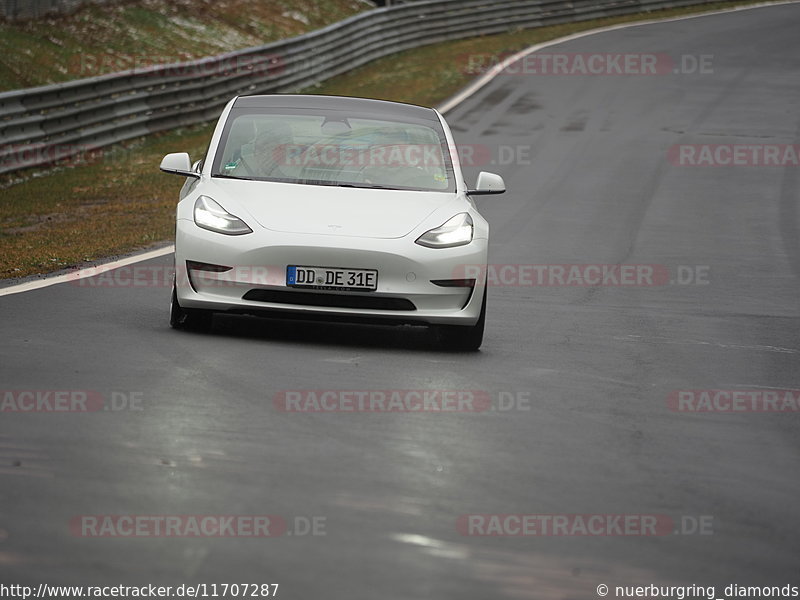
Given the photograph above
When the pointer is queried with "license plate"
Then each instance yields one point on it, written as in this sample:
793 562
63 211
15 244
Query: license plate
332 278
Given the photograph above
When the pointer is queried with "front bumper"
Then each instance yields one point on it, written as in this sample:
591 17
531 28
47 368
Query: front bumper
258 263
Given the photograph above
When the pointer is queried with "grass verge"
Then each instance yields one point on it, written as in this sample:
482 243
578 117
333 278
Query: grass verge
107 37
119 202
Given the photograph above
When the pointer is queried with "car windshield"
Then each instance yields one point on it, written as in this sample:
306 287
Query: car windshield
331 148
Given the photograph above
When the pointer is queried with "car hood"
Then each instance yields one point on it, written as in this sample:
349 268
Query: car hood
331 210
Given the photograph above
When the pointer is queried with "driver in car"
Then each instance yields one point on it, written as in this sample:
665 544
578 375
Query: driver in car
270 153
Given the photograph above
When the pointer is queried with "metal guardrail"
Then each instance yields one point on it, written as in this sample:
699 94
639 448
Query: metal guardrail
41 125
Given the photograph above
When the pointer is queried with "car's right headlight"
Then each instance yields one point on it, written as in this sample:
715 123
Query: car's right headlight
210 215
455 232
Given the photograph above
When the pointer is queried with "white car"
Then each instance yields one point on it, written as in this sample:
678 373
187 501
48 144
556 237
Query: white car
334 208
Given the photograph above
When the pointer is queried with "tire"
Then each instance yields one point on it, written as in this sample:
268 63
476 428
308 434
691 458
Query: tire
190 319
464 338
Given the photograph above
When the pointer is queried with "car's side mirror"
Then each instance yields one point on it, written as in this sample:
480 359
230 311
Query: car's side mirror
178 163
488 183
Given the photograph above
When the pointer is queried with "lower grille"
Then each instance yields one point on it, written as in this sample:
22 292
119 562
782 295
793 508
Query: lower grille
329 300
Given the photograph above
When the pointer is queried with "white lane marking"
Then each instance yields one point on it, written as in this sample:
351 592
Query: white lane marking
449 105
499 68
86 272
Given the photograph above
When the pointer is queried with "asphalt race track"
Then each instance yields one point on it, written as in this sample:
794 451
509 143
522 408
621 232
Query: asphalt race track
580 376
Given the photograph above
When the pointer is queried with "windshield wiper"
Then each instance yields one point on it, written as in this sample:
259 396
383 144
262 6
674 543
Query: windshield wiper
224 176
365 186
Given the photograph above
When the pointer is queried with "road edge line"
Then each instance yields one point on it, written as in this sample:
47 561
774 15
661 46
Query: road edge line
85 272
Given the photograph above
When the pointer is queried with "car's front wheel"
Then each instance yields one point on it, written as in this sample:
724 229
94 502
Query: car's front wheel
461 337
192 319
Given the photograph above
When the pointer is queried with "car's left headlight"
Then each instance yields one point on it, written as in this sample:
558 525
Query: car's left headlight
210 215
455 232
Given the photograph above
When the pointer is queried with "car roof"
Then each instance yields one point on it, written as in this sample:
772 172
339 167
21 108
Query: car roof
361 106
